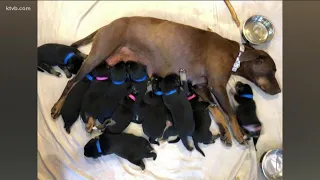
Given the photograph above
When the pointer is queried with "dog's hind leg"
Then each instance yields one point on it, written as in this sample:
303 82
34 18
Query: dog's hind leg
66 71
104 44
153 141
139 163
49 69
152 155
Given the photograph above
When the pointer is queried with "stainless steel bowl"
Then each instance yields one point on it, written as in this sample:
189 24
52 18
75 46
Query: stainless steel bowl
271 164
258 30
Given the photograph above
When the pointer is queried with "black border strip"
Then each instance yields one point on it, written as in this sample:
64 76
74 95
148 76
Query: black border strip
18 105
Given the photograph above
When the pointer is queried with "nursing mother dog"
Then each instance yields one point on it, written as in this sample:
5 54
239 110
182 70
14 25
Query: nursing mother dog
165 47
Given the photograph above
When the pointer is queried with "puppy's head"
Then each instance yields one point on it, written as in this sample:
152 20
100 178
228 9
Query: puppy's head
136 71
155 82
91 149
119 73
243 89
260 69
74 64
102 70
170 82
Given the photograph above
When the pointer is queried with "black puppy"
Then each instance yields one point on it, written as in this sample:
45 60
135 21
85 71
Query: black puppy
176 101
127 146
104 106
139 79
246 111
71 108
202 133
68 58
153 113
123 114
90 106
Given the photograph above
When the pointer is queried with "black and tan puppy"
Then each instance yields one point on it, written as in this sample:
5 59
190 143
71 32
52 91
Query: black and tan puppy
127 146
68 58
152 112
246 111
71 109
90 106
139 78
176 101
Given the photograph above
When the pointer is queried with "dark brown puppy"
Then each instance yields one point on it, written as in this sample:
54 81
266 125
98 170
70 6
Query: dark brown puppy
127 146
181 111
165 47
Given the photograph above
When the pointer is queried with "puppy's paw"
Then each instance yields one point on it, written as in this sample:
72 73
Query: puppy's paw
226 140
67 130
154 156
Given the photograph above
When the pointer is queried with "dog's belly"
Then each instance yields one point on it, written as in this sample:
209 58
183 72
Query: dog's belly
195 72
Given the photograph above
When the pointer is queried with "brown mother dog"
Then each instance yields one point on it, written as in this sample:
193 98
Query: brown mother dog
165 47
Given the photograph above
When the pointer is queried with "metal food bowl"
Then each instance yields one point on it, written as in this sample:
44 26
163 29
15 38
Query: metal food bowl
258 30
271 164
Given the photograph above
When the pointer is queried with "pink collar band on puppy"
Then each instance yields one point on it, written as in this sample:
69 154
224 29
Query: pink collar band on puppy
132 97
101 78
191 97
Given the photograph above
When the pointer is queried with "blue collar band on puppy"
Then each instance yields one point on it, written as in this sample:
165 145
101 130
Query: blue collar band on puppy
68 57
89 77
118 82
170 92
141 79
98 146
249 96
159 93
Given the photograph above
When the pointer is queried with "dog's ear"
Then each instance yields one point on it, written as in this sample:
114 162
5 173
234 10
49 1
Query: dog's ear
250 55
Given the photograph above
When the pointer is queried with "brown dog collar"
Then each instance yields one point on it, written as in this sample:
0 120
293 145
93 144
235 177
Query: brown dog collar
236 65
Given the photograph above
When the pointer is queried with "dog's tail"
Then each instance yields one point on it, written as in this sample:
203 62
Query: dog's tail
196 145
85 40
186 144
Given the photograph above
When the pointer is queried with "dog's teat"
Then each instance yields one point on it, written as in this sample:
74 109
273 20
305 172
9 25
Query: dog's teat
249 96
100 78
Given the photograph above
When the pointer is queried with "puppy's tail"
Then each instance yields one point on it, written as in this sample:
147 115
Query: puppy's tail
85 40
186 144
196 145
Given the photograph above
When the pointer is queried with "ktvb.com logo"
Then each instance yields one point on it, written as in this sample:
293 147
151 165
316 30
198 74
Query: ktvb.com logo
15 8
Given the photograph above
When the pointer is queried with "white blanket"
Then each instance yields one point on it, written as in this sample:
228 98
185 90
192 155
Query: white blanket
60 156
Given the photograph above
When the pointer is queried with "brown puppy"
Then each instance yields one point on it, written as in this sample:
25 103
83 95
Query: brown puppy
165 47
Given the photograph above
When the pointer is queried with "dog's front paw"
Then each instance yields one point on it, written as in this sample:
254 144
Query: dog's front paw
55 110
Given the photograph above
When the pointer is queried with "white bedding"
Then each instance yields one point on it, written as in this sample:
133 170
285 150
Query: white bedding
60 156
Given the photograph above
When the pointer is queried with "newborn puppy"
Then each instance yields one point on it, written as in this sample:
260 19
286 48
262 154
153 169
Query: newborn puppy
176 101
127 146
68 58
90 106
202 133
123 114
152 112
246 111
139 79
104 106
71 108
